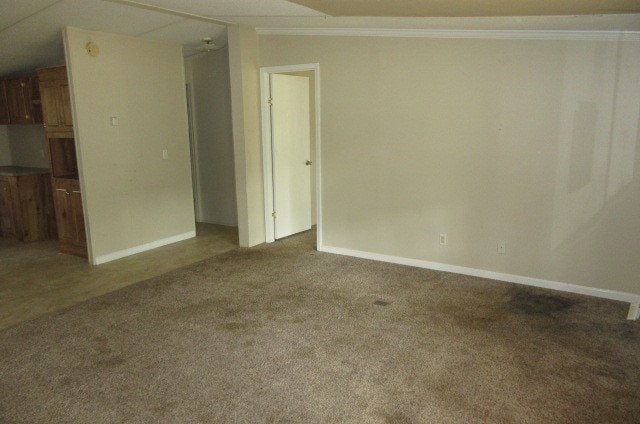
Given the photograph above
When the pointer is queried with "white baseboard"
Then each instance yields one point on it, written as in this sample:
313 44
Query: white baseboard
217 222
634 312
517 279
142 248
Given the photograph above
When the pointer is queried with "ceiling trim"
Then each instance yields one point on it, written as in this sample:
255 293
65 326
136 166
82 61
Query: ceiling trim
458 33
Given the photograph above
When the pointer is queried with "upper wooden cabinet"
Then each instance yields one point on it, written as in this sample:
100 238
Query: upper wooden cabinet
56 101
4 106
23 100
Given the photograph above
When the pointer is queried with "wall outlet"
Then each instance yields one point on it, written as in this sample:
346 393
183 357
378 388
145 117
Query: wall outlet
502 248
443 239
634 312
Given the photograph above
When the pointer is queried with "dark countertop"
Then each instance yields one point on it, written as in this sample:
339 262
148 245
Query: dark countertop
16 171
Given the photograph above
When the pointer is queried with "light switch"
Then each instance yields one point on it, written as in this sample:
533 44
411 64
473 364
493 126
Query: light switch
114 121
165 154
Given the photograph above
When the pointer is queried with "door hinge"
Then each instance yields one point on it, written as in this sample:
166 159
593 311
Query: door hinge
270 101
273 214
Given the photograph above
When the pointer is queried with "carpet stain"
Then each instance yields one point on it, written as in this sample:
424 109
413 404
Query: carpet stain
111 362
396 418
237 326
164 407
102 345
524 302
306 352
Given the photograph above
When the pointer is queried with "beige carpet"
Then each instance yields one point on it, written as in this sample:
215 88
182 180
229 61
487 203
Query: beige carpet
284 334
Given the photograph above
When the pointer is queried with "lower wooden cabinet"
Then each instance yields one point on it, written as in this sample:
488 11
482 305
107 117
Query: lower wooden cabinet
7 225
4 105
26 210
69 216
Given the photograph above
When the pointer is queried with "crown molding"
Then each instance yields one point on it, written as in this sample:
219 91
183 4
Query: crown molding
458 33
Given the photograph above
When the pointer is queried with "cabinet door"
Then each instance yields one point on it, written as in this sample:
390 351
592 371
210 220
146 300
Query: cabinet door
19 99
64 215
7 228
56 106
4 105
78 218
49 98
56 99
68 206
65 106
15 99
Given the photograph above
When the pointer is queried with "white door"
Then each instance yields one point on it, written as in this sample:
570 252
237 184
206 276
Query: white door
291 149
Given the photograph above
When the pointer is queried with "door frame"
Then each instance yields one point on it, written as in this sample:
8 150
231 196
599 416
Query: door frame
193 150
267 163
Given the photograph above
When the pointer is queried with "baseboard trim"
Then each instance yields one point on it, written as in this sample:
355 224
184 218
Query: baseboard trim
142 248
516 279
214 222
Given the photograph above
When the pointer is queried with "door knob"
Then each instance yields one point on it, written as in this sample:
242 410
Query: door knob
308 163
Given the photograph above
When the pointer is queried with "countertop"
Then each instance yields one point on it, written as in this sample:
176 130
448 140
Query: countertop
16 171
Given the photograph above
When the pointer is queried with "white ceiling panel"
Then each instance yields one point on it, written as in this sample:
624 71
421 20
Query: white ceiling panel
100 15
37 41
230 8
12 11
188 31
190 34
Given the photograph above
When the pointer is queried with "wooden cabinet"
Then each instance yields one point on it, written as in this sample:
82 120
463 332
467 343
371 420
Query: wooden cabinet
26 208
7 226
56 101
23 100
69 216
58 124
66 193
4 105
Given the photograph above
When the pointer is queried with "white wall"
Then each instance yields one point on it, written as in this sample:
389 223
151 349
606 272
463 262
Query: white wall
245 106
534 143
5 146
134 200
211 98
28 145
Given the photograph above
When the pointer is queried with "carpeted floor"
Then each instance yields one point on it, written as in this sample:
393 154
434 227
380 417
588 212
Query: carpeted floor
285 334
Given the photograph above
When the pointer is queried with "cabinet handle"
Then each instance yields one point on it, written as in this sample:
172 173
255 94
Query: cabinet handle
60 189
27 116
76 191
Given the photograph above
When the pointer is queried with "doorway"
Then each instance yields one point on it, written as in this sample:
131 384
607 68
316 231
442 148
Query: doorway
291 144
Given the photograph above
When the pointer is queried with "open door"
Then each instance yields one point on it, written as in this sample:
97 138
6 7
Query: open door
291 150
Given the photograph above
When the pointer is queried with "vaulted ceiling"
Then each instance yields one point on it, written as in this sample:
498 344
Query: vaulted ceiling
30 30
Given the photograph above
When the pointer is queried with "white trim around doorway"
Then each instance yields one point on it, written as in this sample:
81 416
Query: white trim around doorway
267 165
